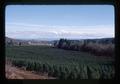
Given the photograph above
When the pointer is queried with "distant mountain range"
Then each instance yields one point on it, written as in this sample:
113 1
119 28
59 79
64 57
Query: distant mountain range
26 42
45 42
14 40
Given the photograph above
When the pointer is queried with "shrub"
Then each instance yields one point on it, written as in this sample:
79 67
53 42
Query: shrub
93 72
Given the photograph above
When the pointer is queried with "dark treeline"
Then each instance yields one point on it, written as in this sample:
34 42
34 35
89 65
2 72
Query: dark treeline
98 47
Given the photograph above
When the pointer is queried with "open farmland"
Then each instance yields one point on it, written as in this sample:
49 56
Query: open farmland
60 63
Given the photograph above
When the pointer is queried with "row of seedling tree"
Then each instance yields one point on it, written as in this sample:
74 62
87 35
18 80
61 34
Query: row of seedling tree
66 71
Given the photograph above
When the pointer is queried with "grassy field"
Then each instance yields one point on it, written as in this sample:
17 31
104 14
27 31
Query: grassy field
63 64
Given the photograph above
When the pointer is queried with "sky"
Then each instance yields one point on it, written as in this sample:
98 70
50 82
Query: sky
59 21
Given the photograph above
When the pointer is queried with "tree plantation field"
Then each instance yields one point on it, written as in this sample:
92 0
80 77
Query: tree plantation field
60 63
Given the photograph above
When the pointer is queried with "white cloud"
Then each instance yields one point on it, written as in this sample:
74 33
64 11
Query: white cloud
25 30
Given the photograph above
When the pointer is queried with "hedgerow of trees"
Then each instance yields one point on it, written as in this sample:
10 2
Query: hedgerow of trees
101 47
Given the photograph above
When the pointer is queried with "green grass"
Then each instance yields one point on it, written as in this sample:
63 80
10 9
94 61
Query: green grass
45 53
49 57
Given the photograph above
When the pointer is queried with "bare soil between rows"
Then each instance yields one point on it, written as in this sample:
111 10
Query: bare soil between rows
13 72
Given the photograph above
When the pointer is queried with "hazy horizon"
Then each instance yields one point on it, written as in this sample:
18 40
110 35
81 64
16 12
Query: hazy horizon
59 21
53 39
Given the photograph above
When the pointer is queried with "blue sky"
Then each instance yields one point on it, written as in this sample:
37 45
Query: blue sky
59 21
